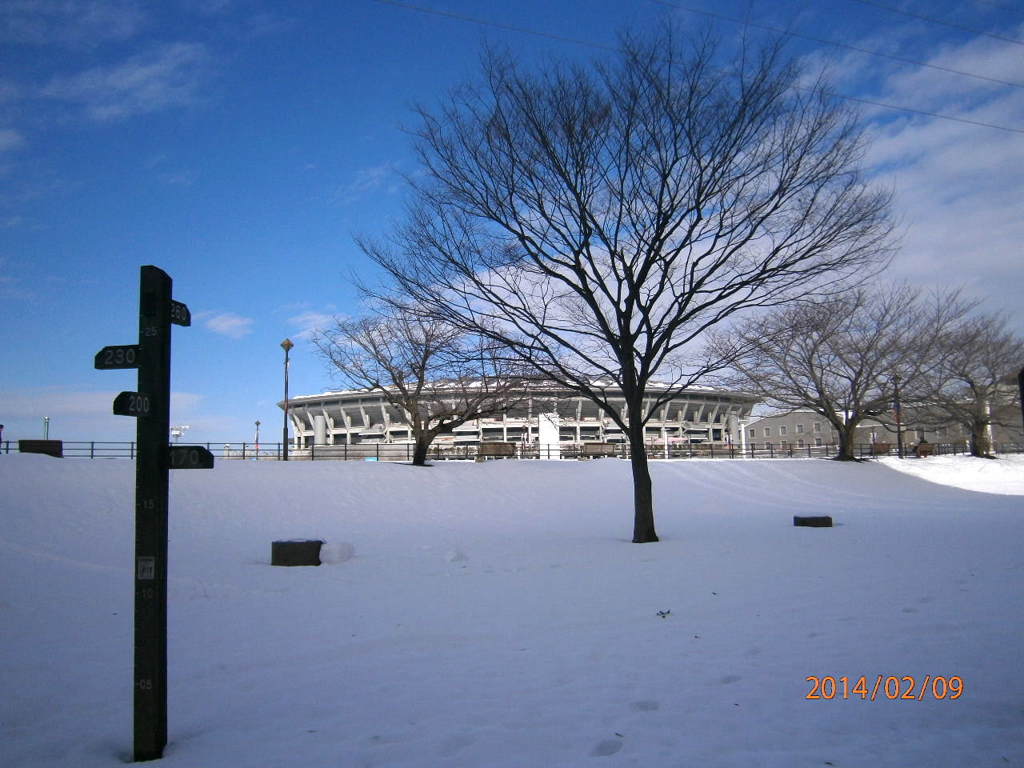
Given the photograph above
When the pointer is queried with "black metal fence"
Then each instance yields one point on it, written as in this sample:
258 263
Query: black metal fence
487 451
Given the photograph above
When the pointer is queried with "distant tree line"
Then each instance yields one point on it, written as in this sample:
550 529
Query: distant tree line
859 354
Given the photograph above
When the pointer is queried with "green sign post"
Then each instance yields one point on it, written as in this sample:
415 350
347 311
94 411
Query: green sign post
150 405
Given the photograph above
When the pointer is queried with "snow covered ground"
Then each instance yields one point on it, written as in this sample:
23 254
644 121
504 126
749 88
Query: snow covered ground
497 615
1003 476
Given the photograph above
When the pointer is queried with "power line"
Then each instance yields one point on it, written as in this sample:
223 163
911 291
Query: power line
933 20
995 4
591 44
928 114
496 25
824 41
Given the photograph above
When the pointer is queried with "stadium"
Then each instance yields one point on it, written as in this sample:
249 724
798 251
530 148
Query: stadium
543 415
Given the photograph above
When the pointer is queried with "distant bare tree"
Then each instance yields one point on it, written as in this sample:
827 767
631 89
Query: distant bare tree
975 386
434 373
597 221
840 357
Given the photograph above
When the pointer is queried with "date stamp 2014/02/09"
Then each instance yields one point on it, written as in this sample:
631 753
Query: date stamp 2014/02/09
892 687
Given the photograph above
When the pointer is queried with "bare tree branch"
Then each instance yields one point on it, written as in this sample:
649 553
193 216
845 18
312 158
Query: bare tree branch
842 356
975 386
598 222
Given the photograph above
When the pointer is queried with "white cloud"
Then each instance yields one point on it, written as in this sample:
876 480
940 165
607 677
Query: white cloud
957 186
77 415
209 7
184 178
377 178
310 321
165 77
10 285
73 415
185 403
227 323
10 139
9 91
925 88
58 402
69 22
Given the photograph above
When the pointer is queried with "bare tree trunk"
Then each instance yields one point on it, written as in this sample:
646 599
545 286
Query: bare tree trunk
643 497
979 442
422 438
847 447
420 449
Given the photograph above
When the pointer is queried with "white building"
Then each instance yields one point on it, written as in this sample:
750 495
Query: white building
353 417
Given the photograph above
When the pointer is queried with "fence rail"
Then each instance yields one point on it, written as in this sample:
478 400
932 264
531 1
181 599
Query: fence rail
403 452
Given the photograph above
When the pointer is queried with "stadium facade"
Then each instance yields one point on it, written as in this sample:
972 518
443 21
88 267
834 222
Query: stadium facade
354 417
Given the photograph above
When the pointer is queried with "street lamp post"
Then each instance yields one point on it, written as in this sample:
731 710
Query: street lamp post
286 345
257 439
899 424
1020 385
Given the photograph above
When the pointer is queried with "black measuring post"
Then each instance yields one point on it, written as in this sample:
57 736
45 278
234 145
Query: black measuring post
191 457
150 405
151 481
124 356
180 314
136 404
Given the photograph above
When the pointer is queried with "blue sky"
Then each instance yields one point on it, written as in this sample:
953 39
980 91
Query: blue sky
240 145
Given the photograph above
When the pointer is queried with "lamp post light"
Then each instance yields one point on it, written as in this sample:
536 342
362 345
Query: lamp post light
286 345
257 439
46 427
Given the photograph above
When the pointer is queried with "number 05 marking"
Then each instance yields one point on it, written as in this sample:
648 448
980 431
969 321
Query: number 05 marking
145 568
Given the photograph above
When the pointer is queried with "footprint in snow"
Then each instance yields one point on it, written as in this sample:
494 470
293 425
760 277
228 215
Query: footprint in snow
606 748
453 744
644 706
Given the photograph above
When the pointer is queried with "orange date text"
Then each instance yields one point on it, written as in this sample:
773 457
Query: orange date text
892 687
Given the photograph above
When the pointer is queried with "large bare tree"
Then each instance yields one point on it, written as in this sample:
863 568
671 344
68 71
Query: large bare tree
434 373
844 356
975 385
598 220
